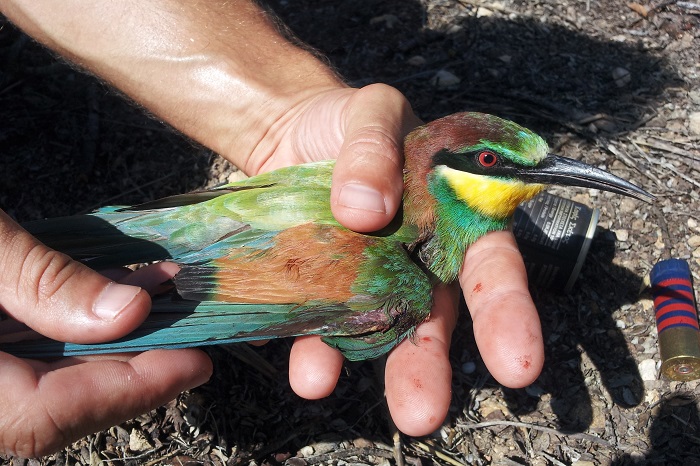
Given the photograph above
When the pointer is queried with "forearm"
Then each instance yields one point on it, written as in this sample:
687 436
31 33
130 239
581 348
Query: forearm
219 71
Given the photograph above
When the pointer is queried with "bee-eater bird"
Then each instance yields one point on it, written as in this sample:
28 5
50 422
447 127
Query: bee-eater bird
264 258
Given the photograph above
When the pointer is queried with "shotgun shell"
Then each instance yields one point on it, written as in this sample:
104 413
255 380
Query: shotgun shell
676 319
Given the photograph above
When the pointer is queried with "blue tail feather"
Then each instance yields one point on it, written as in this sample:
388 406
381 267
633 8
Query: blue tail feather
181 323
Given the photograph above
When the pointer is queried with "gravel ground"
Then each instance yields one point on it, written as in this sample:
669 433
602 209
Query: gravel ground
610 83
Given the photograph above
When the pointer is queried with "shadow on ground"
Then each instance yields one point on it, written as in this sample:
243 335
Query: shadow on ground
673 432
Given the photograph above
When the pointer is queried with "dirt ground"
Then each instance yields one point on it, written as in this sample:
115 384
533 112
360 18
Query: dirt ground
614 84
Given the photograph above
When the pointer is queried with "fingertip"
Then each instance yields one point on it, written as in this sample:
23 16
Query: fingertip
197 371
152 276
363 202
118 310
506 323
514 358
418 385
418 370
314 367
116 299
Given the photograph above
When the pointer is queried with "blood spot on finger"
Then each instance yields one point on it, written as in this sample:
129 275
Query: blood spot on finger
418 383
477 288
525 361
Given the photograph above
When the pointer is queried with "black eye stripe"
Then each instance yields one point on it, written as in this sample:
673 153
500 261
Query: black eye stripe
469 162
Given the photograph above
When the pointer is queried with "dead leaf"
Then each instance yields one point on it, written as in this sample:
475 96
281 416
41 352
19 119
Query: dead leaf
138 441
641 10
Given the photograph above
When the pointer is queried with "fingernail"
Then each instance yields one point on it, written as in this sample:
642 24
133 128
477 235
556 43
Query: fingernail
113 300
358 196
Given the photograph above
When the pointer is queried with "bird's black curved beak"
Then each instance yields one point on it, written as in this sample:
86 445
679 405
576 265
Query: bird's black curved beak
555 169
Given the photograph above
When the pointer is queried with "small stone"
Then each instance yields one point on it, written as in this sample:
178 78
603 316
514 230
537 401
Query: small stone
362 442
694 123
443 79
638 225
629 397
306 452
694 241
647 370
692 223
339 424
482 12
454 29
468 367
621 76
651 397
604 124
659 121
295 461
321 448
627 205
622 235
694 96
416 60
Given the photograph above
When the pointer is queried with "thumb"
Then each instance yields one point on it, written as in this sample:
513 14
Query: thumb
59 297
368 176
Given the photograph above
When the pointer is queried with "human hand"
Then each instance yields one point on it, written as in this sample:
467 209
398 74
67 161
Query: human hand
46 405
365 128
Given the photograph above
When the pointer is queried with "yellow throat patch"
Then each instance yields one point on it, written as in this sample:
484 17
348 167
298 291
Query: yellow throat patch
496 198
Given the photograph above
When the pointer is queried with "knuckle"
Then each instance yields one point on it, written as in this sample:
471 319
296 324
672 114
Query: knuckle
43 274
32 272
374 141
385 93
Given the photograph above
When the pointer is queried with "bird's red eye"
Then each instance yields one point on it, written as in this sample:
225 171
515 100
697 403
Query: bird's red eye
487 159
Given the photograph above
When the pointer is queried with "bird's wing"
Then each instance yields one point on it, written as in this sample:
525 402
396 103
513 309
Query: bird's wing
178 226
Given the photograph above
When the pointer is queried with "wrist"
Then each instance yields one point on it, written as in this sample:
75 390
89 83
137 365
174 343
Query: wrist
218 71
253 115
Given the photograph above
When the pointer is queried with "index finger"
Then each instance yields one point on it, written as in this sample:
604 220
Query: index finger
506 324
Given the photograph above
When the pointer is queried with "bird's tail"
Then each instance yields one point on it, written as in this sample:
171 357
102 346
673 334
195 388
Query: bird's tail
123 235
181 323
96 240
